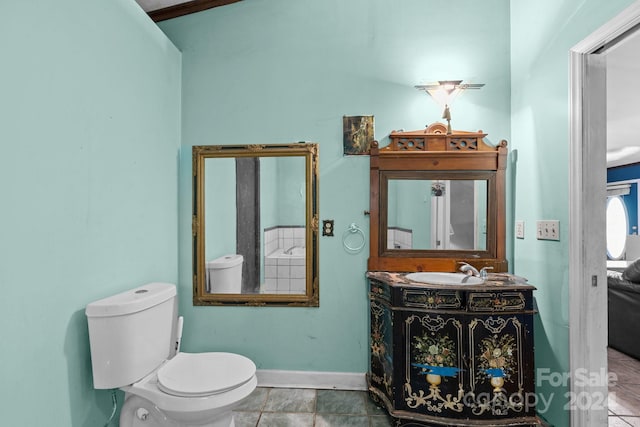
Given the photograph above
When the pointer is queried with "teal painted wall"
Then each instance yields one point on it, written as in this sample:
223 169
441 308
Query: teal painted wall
542 33
90 134
412 209
290 191
277 71
220 235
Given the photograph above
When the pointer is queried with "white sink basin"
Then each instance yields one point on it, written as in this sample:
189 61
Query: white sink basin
436 278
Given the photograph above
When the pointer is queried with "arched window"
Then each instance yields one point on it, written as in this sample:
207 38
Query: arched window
617 227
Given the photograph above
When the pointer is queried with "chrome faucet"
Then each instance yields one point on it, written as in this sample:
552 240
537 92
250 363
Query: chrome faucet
472 271
288 251
483 272
469 269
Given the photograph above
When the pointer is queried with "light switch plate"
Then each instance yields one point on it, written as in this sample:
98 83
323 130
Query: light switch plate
519 229
548 230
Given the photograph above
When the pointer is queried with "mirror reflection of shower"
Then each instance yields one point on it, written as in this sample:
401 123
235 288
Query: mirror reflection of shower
284 261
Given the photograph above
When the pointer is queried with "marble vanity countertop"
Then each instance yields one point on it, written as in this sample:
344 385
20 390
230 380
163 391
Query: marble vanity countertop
504 281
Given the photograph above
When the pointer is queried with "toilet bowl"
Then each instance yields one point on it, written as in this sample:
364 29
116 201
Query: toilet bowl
188 389
133 338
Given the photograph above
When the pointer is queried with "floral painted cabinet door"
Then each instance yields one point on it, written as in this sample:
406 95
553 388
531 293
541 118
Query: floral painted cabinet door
434 381
501 366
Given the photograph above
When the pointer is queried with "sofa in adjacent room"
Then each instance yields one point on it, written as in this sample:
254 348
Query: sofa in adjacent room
624 309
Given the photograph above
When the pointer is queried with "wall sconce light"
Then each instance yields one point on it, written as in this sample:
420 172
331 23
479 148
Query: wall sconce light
444 92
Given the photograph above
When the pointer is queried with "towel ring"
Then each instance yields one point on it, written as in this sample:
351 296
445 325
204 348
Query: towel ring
351 230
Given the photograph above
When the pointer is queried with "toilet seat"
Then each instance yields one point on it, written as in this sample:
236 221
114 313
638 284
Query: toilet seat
204 374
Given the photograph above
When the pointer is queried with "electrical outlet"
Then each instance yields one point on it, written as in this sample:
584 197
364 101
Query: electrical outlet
520 229
548 230
327 227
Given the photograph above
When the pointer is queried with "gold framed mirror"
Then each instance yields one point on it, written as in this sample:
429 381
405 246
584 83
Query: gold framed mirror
255 225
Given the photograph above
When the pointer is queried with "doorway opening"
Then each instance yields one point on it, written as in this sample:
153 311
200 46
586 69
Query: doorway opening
587 187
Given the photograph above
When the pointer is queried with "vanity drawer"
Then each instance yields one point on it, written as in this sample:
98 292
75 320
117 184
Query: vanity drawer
499 301
431 299
379 291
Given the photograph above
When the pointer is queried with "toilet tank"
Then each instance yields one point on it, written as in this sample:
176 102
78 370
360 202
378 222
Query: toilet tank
131 333
224 274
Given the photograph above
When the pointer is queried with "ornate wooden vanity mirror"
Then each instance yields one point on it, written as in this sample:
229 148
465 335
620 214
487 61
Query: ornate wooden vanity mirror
255 225
437 199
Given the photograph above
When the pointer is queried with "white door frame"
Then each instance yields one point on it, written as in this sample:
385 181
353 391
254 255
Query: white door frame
587 194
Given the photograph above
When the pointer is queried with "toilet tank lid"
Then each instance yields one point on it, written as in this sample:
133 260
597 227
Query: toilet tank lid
132 301
226 261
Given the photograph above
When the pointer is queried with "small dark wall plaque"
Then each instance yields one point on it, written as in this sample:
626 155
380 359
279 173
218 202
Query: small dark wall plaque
357 134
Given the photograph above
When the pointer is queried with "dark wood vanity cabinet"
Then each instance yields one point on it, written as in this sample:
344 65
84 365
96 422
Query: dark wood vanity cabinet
452 355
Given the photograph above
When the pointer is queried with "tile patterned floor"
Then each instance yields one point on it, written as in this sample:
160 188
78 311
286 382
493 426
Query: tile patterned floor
288 407
624 395
283 407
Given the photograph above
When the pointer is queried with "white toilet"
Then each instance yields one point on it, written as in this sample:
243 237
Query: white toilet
224 275
135 338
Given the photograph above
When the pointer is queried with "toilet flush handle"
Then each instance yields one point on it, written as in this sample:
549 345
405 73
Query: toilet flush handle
179 333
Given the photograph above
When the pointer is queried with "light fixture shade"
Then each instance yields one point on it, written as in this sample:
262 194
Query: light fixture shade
445 92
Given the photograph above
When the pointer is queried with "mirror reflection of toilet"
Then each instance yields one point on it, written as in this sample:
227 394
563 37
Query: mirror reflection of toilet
224 275
134 338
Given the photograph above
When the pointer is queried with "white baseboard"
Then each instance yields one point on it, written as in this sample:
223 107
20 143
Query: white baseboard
311 379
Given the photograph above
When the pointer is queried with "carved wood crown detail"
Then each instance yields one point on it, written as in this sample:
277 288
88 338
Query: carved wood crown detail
463 144
438 128
435 138
411 144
